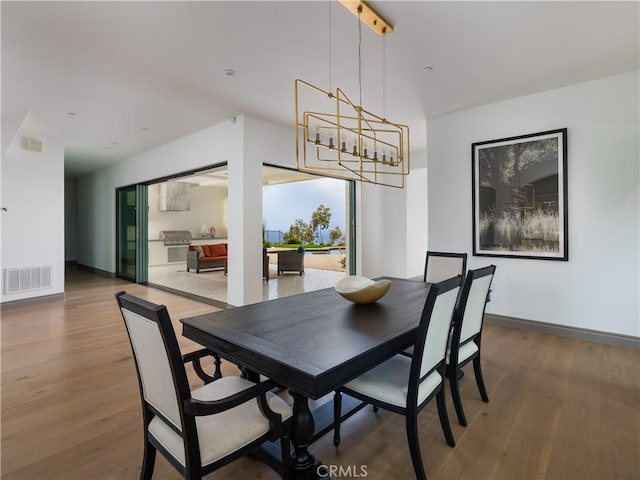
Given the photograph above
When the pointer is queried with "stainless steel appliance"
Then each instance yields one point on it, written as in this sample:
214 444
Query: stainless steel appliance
177 242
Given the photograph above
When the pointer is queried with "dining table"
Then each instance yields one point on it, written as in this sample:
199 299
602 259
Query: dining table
312 344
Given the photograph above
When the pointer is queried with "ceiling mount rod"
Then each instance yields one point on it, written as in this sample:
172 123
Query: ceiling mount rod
368 16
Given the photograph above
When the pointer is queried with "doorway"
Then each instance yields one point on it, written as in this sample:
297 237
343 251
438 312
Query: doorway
208 209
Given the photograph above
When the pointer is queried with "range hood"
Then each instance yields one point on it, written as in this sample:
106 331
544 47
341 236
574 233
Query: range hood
175 196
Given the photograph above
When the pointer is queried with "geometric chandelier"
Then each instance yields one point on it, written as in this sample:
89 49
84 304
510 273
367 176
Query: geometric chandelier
337 137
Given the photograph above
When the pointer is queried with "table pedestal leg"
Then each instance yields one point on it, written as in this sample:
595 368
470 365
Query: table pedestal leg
303 464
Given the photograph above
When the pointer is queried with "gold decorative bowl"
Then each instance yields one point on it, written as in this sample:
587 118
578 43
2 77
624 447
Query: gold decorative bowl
359 289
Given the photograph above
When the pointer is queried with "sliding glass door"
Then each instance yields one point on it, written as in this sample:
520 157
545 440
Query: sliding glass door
131 233
351 228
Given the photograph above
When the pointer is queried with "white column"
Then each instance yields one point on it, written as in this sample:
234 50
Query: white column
244 280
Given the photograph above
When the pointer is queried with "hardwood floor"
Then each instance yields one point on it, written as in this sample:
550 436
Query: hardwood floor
559 409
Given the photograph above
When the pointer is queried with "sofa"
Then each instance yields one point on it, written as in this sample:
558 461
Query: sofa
200 257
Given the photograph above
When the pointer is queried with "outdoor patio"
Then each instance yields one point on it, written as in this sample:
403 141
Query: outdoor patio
321 271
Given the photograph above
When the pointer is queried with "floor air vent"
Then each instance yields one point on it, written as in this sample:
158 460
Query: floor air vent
27 278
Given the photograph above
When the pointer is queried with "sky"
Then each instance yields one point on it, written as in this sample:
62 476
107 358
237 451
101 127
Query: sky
282 204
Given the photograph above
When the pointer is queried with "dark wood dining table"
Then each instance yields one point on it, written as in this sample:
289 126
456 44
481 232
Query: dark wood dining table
312 344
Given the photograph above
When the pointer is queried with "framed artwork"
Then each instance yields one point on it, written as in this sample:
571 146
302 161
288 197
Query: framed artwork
520 196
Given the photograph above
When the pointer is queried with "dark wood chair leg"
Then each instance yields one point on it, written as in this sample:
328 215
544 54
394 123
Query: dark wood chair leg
455 395
414 447
285 446
337 413
193 474
444 418
148 462
218 373
479 380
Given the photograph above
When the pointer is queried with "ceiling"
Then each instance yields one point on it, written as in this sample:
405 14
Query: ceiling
118 78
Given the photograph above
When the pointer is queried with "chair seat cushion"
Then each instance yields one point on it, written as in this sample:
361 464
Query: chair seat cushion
465 352
389 382
222 433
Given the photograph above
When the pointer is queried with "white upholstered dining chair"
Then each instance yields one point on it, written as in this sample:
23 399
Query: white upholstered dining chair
404 384
201 430
467 334
439 266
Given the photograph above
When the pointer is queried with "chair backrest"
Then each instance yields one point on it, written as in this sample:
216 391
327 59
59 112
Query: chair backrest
433 331
161 374
440 266
473 299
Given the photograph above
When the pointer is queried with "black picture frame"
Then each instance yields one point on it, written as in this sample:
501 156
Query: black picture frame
520 207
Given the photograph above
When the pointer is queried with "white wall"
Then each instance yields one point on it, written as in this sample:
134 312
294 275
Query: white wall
392 225
406 220
33 226
372 243
598 288
417 222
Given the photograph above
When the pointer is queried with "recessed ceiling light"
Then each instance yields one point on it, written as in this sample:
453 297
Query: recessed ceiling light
428 68
229 73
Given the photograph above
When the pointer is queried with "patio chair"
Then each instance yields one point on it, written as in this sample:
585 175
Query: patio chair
291 261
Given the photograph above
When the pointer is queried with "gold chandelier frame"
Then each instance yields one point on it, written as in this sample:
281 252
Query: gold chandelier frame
350 142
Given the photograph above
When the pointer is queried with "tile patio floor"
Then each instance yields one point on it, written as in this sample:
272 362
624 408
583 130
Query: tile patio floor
212 284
